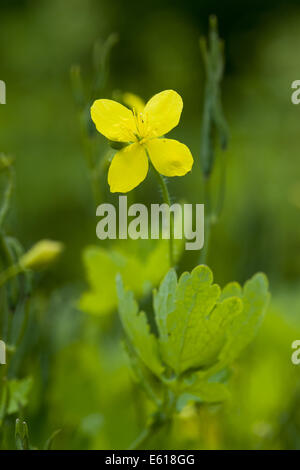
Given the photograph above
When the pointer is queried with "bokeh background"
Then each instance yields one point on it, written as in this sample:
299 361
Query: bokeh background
81 382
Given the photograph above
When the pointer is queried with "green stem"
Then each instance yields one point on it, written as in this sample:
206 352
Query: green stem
9 273
4 392
222 189
147 434
167 200
6 198
212 215
23 325
4 397
89 150
163 417
141 439
207 221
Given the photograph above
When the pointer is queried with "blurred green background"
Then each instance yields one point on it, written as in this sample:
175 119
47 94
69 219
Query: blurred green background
80 377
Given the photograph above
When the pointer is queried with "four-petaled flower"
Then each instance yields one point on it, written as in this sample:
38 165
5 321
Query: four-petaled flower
140 129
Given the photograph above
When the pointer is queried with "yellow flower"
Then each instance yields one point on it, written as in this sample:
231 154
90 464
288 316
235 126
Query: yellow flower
141 129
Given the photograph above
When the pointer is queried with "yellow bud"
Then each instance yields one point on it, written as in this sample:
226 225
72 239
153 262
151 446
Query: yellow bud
133 101
41 255
5 162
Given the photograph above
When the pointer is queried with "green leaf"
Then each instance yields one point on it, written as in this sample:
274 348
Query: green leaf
49 442
164 302
192 322
230 290
18 391
201 330
102 267
203 392
255 297
137 330
142 375
139 275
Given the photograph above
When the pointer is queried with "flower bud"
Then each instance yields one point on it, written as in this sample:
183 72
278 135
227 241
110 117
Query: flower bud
5 162
41 255
133 102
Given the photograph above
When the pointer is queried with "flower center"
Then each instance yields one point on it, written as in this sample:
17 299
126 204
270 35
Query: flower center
140 125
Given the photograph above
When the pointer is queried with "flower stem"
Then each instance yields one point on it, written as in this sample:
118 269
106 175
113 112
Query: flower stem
212 215
90 154
9 273
167 200
207 221
141 439
6 199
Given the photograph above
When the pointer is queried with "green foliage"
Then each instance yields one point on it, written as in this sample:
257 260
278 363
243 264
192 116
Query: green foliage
208 392
214 122
18 393
81 377
138 332
138 274
50 441
201 330
244 327
195 324
21 435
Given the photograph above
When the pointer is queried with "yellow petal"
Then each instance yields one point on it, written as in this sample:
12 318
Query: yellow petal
113 120
128 169
170 157
162 112
133 101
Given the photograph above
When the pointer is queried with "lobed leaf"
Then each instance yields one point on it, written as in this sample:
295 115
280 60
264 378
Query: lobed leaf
255 297
191 321
139 275
137 330
201 330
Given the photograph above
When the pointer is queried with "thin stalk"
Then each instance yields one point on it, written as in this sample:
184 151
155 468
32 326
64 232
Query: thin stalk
141 439
5 252
147 434
6 199
89 150
167 200
222 189
207 221
4 395
214 127
212 215
6 319
23 325
163 417
9 273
